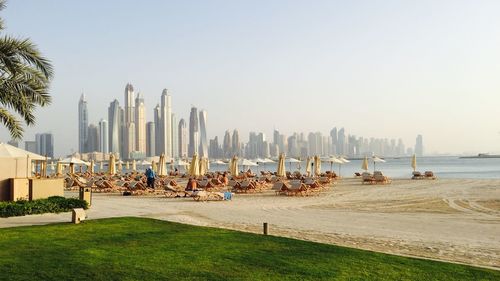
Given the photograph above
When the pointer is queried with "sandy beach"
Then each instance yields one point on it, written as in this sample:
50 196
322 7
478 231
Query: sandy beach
446 219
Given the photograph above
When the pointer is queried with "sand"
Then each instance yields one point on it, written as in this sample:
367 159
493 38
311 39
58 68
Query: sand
452 220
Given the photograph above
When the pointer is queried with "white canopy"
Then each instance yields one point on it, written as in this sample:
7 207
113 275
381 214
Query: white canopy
292 160
267 160
9 151
246 162
219 162
332 159
73 160
342 158
377 159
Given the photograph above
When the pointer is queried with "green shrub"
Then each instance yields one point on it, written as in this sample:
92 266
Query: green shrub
54 204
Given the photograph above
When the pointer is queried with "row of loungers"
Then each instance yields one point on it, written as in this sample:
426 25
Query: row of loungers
428 175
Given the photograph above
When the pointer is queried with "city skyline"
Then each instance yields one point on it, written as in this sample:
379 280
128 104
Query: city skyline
398 73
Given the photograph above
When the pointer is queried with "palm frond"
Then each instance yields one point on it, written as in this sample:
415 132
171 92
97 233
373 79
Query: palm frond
13 125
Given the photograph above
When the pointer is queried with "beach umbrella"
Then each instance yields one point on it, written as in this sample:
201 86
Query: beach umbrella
134 165
342 158
281 166
414 162
120 166
219 162
153 166
59 168
101 166
377 160
317 165
364 165
290 161
112 167
308 166
234 170
162 168
91 166
194 169
127 165
144 163
331 160
203 166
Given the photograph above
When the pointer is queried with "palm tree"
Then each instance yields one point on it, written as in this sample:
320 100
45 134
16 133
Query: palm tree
24 81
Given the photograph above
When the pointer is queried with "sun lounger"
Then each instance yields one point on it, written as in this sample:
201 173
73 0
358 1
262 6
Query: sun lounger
429 175
417 175
367 178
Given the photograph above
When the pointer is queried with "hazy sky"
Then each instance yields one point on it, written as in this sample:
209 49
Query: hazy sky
378 68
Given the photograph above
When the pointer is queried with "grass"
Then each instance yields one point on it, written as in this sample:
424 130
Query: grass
147 249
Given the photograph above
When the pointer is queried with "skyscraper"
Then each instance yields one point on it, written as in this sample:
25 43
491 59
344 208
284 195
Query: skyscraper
183 139
203 134
150 139
419 146
140 124
175 137
129 133
93 138
194 133
166 121
235 139
335 139
83 120
103 136
341 146
158 130
227 145
45 144
114 112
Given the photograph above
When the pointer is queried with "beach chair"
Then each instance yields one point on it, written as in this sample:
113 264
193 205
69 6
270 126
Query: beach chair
296 188
429 175
416 175
367 178
380 178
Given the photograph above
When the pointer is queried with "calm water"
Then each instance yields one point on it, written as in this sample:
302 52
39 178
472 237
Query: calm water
443 167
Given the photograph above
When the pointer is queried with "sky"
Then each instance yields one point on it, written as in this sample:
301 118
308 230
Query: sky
384 69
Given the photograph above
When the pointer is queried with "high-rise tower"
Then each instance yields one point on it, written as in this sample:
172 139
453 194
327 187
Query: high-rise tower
194 133
140 123
183 139
115 126
166 121
103 136
419 146
158 130
203 150
83 121
129 133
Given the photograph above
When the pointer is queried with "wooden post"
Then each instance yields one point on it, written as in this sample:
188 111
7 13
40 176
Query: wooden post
265 228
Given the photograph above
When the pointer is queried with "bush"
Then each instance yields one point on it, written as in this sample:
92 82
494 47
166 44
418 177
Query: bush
54 204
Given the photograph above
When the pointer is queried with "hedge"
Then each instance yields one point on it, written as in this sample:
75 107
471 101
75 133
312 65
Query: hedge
54 204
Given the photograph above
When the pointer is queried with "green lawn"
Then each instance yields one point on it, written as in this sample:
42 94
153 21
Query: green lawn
147 249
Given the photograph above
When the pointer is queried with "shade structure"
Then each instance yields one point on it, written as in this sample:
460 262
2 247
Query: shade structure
267 160
162 167
153 166
343 159
9 151
332 160
112 167
308 166
219 162
414 162
281 172
247 163
377 160
364 164
120 166
73 160
127 165
134 166
258 160
91 166
59 168
233 169
203 166
291 160
101 166
180 163
317 165
194 169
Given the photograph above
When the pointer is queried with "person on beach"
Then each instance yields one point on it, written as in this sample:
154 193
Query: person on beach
150 175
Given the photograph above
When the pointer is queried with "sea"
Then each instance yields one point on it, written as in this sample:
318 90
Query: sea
452 167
